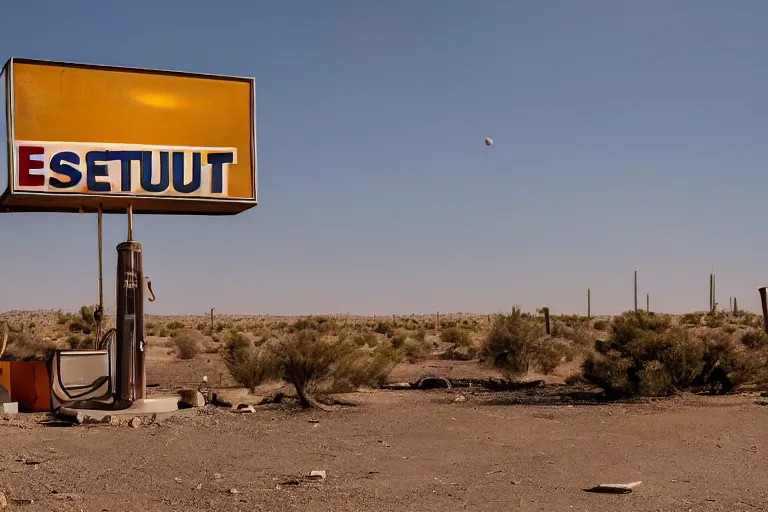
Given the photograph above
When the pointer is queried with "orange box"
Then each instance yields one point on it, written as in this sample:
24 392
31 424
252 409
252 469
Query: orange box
28 383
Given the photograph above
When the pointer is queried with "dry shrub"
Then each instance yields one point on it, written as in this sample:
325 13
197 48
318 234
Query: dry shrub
693 319
366 338
248 365
611 373
78 341
23 346
415 350
510 343
456 336
655 380
189 342
755 339
307 360
576 379
646 355
398 339
460 353
547 354
369 369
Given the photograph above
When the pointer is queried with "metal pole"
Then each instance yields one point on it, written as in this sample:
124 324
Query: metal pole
130 222
764 302
101 265
635 291
589 302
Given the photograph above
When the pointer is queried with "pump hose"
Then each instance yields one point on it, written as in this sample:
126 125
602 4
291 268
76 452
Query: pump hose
103 341
5 339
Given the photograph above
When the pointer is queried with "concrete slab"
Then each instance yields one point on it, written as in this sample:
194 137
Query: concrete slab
140 408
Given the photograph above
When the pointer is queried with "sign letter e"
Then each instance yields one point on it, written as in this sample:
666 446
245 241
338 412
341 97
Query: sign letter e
26 164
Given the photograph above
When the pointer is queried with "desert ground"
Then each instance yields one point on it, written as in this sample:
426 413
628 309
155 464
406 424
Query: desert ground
460 448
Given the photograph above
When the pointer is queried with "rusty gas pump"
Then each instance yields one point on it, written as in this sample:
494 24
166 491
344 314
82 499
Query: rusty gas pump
79 385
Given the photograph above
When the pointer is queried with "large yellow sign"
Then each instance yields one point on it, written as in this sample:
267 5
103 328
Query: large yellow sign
164 142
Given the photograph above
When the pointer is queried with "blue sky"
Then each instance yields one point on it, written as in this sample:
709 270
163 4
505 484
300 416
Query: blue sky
628 136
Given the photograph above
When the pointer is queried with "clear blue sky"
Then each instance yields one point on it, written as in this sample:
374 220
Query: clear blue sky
628 135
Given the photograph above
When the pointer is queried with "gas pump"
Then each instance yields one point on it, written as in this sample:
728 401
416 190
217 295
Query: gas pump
112 378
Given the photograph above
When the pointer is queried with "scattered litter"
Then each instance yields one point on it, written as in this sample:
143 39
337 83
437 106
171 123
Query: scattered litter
385 444
30 462
243 408
317 475
515 482
460 398
313 421
3 501
290 482
199 486
218 476
234 491
135 422
614 488
9 408
23 501
178 480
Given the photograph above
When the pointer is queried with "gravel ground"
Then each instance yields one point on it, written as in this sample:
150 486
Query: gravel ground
410 450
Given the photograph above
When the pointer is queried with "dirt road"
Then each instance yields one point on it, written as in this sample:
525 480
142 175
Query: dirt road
409 450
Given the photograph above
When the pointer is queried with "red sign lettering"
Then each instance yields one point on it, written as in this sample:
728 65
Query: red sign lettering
26 164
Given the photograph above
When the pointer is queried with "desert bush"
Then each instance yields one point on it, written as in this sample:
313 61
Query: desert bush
456 336
248 365
398 340
84 322
751 319
715 320
646 355
755 339
306 359
509 344
384 328
571 321
576 379
366 338
175 325
547 354
692 319
189 343
415 350
420 335
369 369
460 353
655 380
723 355
600 325
23 346
78 341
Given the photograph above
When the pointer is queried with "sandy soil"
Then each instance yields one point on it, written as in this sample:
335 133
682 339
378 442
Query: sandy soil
446 450
409 450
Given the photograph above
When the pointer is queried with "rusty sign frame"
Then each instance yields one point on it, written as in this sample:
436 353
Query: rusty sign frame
92 202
